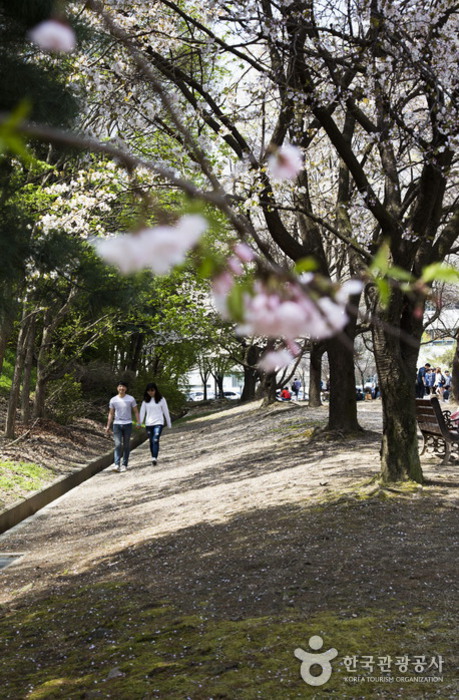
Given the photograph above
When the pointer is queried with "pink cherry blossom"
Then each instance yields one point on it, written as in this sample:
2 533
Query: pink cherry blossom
272 361
348 289
234 265
221 286
286 162
293 347
244 252
52 35
297 316
158 248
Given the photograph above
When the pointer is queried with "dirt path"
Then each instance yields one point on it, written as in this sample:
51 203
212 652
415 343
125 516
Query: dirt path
245 519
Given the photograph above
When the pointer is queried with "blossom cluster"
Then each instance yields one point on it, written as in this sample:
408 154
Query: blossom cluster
288 310
53 35
159 248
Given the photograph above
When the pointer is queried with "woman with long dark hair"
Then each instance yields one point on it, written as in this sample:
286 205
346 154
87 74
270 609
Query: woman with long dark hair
154 413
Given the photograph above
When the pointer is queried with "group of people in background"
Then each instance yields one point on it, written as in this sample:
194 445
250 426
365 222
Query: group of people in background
287 394
432 381
154 414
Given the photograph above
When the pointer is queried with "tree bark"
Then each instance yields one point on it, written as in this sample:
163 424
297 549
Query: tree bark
40 384
455 373
268 388
26 381
315 374
135 349
342 413
396 364
5 332
10 422
218 378
251 374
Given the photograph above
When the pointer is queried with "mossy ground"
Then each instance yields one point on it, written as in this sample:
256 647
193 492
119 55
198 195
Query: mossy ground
104 634
108 641
19 477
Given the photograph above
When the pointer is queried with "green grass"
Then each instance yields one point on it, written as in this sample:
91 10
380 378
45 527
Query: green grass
6 375
19 477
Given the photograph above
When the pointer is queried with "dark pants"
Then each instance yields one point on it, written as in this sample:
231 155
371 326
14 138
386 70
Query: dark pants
154 433
420 390
122 437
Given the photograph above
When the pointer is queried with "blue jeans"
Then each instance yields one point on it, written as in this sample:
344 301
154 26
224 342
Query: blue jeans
122 437
154 433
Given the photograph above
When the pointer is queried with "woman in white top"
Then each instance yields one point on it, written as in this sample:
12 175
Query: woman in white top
154 413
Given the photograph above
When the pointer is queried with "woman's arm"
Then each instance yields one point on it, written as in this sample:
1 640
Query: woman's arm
165 411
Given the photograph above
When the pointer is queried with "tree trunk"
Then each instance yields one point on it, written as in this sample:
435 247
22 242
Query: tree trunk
5 332
396 365
218 384
135 349
204 377
250 373
28 363
10 422
41 381
455 373
342 414
268 387
315 374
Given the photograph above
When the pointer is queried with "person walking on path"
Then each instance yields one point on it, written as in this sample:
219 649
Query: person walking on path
439 382
120 414
154 413
430 381
296 386
447 385
421 381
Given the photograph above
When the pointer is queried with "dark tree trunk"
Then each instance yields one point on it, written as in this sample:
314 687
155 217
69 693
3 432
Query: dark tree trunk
5 332
315 374
396 364
204 377
251 374
10 422
135 349
455 373
28 363
42 362
268 388
219 384
342 414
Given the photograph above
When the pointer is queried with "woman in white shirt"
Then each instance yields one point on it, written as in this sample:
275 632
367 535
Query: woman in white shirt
154 413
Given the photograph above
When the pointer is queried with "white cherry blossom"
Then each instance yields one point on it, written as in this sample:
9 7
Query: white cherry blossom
52 35
159 248
286 162
275 360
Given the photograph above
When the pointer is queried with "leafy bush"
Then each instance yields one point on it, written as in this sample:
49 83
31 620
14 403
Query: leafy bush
65 400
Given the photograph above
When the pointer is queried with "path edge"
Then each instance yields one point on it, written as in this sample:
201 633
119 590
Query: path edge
19 511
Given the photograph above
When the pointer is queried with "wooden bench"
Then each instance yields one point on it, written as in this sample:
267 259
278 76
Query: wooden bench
438 431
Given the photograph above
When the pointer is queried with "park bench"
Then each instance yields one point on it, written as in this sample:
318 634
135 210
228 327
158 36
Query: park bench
438 430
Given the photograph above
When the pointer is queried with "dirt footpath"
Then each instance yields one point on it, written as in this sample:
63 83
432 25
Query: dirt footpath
245 518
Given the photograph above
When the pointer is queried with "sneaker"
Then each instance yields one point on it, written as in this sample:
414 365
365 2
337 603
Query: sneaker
154 462
117 468
122 468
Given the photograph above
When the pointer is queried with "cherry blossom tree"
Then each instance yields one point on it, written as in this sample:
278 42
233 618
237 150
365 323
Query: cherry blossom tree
366 95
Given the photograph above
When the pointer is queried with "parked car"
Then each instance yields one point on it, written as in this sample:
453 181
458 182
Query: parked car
234 395
199 395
